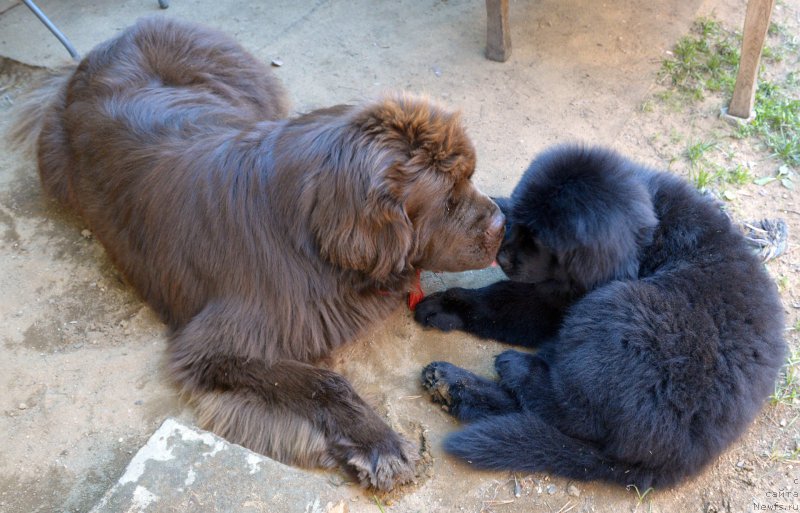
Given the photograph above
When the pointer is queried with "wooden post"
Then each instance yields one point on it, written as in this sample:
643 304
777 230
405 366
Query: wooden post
498 35
756 24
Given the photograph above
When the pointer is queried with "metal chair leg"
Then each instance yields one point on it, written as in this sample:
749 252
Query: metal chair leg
49 24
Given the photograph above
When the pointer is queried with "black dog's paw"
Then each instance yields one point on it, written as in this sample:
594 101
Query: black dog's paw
435 382
443 310
467 396
447 384
513 368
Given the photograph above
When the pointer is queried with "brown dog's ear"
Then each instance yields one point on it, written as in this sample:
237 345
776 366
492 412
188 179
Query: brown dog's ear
387 224
376 155
360 223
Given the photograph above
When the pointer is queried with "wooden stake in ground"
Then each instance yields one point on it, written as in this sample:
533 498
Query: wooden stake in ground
756 24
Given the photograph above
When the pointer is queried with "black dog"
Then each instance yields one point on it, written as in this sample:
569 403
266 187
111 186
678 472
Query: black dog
659 333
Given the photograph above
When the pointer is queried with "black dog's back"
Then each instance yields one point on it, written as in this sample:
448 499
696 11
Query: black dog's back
671 344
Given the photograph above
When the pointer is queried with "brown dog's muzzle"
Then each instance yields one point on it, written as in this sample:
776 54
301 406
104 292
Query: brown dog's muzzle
493 235
497 227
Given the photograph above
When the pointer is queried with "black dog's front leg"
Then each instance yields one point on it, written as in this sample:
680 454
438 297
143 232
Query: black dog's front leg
512 312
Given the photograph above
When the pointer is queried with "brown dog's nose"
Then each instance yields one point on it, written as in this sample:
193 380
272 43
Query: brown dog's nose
497 226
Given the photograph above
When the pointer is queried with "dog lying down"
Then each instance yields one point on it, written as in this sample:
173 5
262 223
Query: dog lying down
263 242
659 333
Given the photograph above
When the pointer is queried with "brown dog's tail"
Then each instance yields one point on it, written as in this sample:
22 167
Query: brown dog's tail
38 129
31 108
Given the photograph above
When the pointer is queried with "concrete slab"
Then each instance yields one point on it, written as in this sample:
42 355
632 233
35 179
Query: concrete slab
182 468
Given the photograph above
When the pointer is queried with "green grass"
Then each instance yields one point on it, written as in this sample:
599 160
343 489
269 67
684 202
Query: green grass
790 42
777 120
700 174
787 388
706 62
704 173
640 496
783 455
696 152
739 175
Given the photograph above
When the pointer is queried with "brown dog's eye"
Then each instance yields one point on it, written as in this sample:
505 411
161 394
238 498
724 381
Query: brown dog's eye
452 203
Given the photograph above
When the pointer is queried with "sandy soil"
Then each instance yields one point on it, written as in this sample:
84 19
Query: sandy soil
80 354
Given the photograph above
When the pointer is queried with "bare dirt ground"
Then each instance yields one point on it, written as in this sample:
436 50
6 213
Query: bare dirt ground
80 354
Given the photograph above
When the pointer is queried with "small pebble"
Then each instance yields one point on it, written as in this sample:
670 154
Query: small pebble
86 234
551 489
277 63
783 423
22 406
573 491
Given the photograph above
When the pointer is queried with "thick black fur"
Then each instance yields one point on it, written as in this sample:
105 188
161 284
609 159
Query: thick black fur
659 334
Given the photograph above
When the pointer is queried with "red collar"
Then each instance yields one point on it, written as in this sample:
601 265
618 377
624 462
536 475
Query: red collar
415 295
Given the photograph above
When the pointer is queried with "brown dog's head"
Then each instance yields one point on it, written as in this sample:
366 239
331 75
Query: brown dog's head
398 195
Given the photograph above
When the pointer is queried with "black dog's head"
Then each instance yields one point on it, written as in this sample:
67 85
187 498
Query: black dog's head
577 218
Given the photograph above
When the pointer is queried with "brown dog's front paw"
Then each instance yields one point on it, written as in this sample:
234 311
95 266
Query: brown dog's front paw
383 465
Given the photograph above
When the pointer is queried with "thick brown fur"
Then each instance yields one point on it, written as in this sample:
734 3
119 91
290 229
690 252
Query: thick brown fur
263 242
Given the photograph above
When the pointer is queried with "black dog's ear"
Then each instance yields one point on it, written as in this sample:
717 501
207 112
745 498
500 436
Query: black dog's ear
505 205
613 252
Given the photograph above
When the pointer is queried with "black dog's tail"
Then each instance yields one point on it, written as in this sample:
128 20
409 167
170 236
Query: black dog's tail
524 442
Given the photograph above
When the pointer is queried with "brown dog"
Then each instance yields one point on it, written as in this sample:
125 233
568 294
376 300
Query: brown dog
262 242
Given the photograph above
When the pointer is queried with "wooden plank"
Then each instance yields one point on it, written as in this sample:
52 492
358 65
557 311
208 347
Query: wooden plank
756 24
498 33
